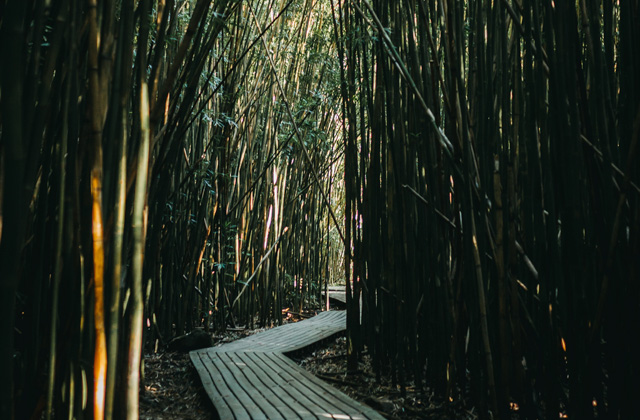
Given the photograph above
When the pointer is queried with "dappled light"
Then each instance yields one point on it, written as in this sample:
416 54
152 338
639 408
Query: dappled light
461 176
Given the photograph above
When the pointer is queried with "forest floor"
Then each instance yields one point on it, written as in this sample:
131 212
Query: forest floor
172 388
330 364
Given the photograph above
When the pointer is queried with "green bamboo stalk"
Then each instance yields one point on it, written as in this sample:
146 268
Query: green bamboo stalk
13 200
138 227
55 289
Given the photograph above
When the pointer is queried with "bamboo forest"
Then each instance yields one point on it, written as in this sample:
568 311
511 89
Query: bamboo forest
466 174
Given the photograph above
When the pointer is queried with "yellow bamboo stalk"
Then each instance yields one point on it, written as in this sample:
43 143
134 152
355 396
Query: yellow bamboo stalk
100 352
138 227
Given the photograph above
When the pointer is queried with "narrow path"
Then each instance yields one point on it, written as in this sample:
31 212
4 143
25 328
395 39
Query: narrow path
251 378
337 293
290 337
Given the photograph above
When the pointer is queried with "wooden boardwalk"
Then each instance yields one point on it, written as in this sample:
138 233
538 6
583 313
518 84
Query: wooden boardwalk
251 378
338 293
291 337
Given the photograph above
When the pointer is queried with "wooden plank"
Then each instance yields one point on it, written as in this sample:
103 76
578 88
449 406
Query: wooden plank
291 337
328 406
219 393
241 374
296 391
344 405
268 385
252 379
237 392
303 407
339 295
253 400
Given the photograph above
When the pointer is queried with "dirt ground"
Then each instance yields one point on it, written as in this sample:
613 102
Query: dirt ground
172 388
330 364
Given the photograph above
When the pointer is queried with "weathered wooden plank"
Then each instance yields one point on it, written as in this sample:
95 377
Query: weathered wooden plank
233 371
276 388
252 379
323 392
236 391
223 399
337 293
291 337
289 384
244 370
299 391
304 408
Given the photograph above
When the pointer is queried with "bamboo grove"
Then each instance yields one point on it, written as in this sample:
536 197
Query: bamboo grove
491 200
166 165
469 167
